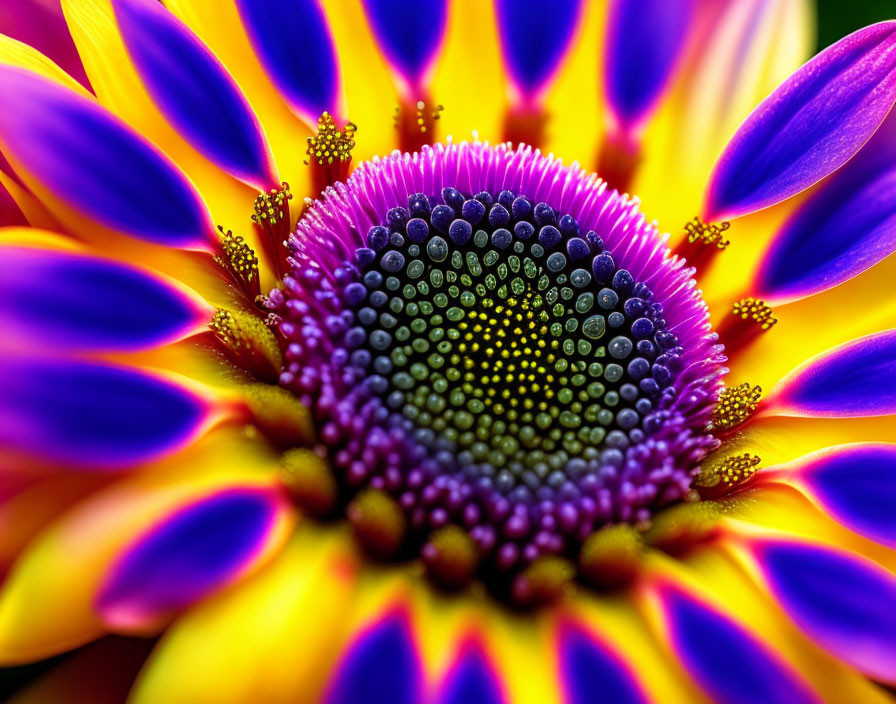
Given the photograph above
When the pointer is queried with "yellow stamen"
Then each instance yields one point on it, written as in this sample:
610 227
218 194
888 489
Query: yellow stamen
733 470
249 342
239 258
756 311
735 405
708 234
330 144
272 208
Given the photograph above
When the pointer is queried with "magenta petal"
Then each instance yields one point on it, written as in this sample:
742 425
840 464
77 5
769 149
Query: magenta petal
643 43
850 381
90 160
77 302
179 560
195 91
730 664
845 603
41 24
10 213
856 485
809 126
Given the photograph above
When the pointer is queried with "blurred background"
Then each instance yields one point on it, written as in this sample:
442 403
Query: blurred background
837 18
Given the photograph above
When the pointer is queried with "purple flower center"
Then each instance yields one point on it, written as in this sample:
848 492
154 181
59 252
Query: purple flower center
487 360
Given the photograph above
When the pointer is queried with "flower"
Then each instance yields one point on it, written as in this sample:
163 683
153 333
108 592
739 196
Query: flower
451 422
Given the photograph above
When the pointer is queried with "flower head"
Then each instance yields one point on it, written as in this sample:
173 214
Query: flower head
305 399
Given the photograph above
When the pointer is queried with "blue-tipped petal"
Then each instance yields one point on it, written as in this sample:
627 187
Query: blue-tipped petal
850 381
844 602
856 485
409 34
809 126
533 41
470 680
293 42
90 160
382 666
846 227
643 44
174 563
93 415
730 664
194 91
587 668
61 300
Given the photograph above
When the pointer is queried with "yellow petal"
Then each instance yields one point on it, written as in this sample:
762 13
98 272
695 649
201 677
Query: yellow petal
16 53
218 24
46 602
271 639
119 88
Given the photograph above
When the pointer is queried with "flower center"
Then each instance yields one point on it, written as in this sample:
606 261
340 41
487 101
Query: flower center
524 353
490 385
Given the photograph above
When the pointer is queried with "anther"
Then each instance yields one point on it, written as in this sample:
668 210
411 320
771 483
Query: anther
678 528
248 344
451 557
719 478
610 557
310 481
748 318
415 121
330 152
279 415
735 406
703 241
378 522
273 221
542 582
237 258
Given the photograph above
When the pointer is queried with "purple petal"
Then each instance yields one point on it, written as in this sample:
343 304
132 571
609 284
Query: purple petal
94 163
856 485
409 34
730 664
194 91
587 667
642 47
850 381
846 227
293 42
93 415
809 127
844 602
533 41
77 302
190 553
40 24
471 680
382 666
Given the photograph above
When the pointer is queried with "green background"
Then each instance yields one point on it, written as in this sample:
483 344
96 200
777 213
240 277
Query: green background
837 18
